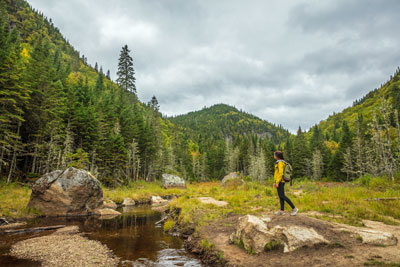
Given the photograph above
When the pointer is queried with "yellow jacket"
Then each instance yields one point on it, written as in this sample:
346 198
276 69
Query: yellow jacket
278 174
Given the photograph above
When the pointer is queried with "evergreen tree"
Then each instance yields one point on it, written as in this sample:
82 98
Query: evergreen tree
301 159
126 74
14 95
336 164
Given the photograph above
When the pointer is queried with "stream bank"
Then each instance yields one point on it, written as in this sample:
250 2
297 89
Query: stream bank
132 237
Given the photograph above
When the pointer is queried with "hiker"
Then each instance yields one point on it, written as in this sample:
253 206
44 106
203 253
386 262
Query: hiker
279 183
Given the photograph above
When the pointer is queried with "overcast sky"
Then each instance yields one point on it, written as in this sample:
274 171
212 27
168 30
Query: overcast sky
288 62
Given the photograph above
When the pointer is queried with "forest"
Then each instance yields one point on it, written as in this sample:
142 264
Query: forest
58 111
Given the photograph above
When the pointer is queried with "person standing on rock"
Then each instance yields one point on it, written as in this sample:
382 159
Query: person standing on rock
279 184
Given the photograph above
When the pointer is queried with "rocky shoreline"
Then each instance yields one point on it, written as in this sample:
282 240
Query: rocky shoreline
344 245
64 247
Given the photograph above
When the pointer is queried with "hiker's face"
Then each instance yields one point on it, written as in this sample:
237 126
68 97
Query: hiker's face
275 157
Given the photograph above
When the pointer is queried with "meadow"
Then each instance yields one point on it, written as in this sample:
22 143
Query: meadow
341 202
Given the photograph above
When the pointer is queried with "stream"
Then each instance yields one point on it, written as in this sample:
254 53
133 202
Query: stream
132 236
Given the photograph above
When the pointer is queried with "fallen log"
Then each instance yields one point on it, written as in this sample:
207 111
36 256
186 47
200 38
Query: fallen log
382 199
29 230
162 220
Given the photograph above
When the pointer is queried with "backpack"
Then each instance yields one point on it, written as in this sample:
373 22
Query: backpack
287 172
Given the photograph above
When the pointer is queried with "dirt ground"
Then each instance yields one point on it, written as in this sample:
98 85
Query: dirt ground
344 250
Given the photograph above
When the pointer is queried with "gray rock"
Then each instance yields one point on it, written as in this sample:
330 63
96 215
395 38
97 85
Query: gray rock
170 181
232 179
128 202
253 233
69 192
155 200
377 238
298 236
106 213
109 204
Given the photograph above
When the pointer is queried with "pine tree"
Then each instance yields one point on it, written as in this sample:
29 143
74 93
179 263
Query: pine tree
335 168
126 74
300 157
14 95
154 103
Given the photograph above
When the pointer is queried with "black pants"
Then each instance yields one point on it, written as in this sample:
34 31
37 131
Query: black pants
283 197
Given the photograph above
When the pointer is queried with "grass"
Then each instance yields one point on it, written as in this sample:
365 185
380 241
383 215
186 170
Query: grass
169 224
13 201
340 202
139 191
207 245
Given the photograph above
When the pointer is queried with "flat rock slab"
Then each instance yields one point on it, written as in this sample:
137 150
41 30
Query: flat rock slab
298 237
106 213
210 200
377 238
109 204
64 250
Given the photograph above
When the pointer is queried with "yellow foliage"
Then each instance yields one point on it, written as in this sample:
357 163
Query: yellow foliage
73 78
332 146
25 53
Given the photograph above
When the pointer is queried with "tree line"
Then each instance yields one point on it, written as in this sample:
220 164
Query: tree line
58 111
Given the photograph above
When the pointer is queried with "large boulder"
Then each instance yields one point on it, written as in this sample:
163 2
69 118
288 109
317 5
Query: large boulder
251 233
232 179
170 181
298 236
254 235
69 192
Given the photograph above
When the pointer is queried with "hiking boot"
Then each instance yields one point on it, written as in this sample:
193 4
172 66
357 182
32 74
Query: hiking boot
294 212
280 212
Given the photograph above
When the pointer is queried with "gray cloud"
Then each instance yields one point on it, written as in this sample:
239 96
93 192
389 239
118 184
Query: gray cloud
288 62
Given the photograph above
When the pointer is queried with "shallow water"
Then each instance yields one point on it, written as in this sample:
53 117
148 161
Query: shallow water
132 236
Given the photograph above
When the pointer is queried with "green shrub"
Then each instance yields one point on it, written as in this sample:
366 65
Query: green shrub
272 245
207 245
169 224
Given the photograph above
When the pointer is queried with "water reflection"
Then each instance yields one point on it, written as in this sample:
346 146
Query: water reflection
132 236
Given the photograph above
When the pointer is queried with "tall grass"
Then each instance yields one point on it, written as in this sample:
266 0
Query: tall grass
13 200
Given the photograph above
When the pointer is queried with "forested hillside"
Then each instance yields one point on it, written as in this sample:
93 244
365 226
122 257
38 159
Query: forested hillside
225 121
244 142
362 139
58 111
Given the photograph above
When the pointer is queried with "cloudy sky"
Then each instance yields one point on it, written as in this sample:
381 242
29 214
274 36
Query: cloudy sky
288 62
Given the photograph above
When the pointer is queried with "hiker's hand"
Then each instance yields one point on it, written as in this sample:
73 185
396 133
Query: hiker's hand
275 185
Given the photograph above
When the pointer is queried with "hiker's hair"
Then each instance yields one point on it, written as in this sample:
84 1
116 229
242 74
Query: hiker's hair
279 154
